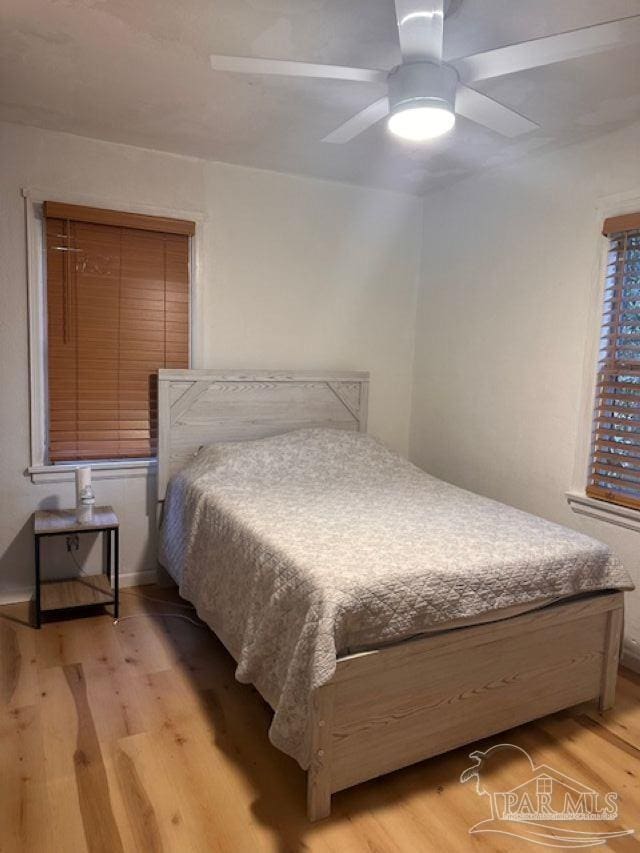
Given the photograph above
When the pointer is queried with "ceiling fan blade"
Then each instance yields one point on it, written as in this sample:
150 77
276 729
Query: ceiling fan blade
360 122
420 26
484 110
286 68
547 50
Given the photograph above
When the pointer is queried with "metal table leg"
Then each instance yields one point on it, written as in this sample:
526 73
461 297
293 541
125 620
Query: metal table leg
37 601
116 568
107 535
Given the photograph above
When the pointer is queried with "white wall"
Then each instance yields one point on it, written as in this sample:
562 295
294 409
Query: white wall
503 327
297 273
310 274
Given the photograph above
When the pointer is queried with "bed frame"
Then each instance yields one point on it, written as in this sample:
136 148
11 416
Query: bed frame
388 708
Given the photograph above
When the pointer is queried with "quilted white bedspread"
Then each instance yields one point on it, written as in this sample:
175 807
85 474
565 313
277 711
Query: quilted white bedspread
298 548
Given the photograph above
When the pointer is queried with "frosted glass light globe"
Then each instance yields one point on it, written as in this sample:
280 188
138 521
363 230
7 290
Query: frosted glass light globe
418 124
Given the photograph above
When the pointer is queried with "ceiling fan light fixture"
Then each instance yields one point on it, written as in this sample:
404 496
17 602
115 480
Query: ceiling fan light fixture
422 98
421 122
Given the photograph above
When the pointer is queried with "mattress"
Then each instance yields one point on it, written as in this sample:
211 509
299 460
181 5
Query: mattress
304 547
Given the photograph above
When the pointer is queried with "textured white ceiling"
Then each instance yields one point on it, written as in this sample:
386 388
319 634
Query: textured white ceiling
137 71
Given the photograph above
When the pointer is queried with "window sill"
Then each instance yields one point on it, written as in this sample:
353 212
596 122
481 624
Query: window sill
603 511
118 469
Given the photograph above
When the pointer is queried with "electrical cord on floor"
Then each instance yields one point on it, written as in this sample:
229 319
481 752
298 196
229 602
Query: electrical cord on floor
148 598
175 615
157 600
161 601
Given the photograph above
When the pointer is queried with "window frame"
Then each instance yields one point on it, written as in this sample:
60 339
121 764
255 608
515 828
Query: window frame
38 468
577 498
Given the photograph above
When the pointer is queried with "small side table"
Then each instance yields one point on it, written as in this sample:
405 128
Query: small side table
58 598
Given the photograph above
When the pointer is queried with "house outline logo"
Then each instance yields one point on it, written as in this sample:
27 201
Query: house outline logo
541 806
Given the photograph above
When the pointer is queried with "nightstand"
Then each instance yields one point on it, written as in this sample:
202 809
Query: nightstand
56 599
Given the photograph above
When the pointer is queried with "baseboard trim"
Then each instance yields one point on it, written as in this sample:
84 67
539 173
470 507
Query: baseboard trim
143 578
139 578
630 651
631 656
15 597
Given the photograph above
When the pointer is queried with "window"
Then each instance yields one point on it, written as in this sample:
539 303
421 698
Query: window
117 295
614 473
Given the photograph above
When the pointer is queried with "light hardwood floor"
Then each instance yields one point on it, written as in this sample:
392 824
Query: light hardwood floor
136 737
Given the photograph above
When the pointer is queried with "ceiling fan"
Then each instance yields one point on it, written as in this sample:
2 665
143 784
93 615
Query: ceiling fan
425 93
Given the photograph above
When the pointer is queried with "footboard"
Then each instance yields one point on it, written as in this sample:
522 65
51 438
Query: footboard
389 708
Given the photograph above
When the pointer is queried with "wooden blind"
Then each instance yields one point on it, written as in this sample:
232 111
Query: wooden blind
101 216
614 474
117 310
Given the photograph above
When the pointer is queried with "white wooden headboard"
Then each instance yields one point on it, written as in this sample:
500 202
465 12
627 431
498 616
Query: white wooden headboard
197 407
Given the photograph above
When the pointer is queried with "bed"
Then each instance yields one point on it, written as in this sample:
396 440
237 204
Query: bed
386 616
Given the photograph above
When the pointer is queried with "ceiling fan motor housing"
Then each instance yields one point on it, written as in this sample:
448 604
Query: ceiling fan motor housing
422 84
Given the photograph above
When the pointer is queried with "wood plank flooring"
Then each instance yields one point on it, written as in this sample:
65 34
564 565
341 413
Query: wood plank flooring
137 737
